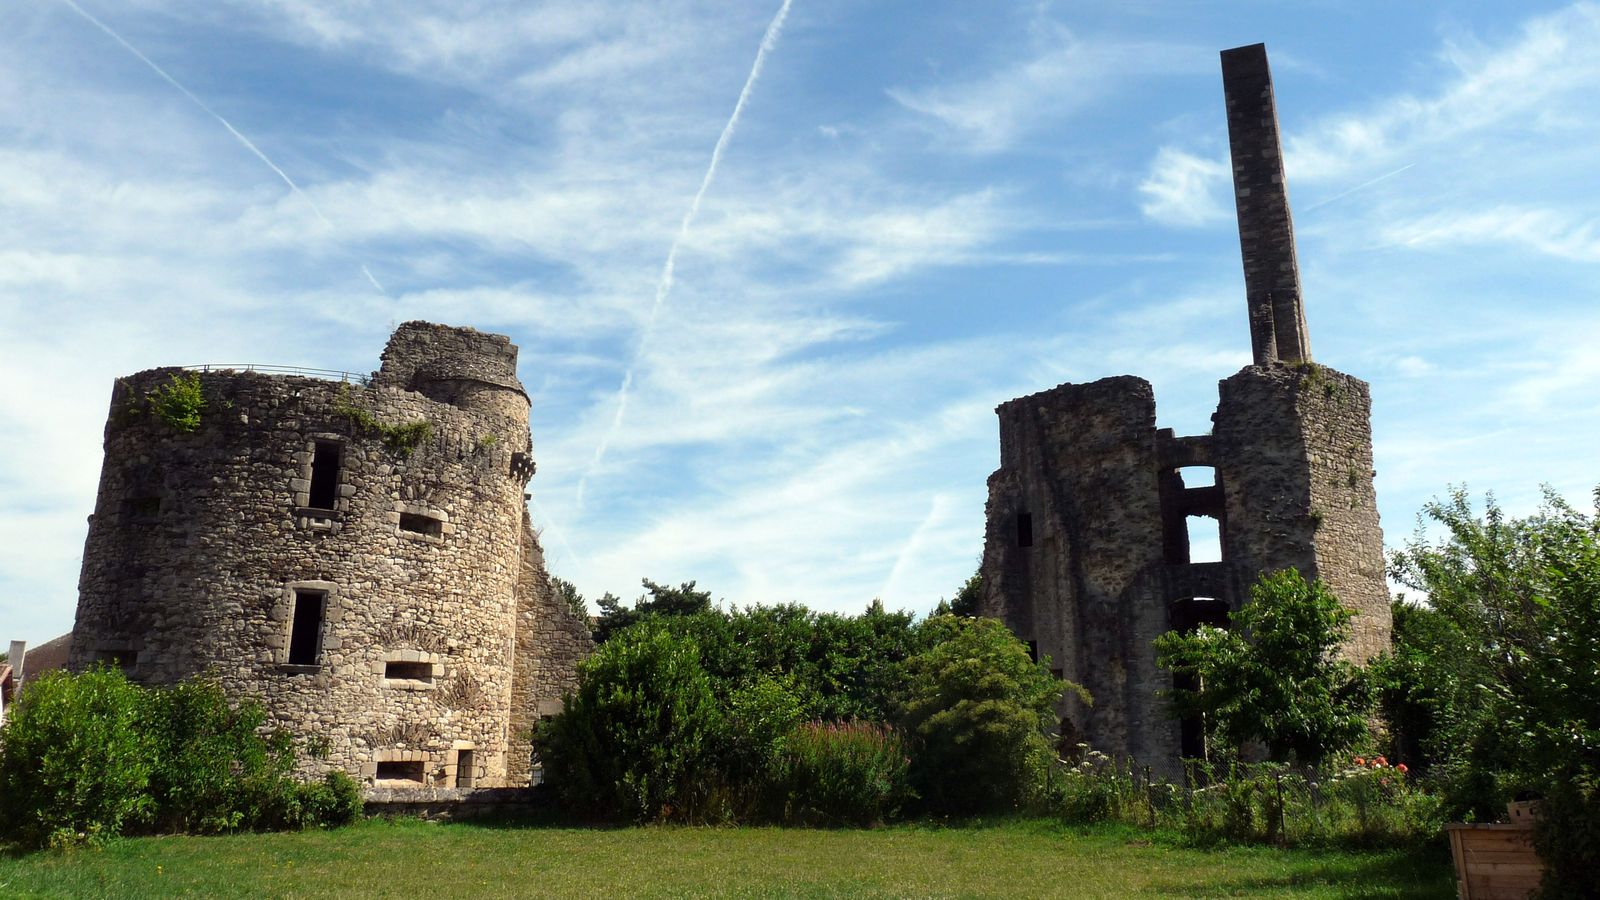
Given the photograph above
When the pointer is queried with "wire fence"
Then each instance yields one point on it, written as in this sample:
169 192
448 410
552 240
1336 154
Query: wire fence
363 379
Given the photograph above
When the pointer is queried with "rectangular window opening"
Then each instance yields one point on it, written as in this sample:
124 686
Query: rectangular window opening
144 509
464 770
410 671
1205 539
420 524
324 475
1024 529
1033 651
305 634
401 771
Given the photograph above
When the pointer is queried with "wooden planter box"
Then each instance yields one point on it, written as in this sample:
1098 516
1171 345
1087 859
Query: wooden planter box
1494 862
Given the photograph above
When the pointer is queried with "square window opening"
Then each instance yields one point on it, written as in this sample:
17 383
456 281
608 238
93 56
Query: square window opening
401 771
410 671
305 634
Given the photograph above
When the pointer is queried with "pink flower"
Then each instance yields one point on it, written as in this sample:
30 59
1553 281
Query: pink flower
1401 768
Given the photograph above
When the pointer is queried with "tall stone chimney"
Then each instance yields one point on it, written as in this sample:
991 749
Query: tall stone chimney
1266 230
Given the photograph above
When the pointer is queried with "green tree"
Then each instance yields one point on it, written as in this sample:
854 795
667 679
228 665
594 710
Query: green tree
1274 676
966 600
1519 601
568 594
639 740
658 600
978 710
74 763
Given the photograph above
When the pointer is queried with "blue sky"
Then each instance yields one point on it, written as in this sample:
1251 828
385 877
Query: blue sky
925 208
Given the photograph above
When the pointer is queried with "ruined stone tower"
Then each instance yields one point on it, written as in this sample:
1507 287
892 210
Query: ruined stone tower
355 552
1086 552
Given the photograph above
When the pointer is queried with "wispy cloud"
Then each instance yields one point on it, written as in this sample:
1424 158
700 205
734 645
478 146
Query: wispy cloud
1058 75
1182 189
1545 231
664 283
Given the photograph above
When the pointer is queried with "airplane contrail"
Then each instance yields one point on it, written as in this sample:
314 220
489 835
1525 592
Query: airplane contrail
248 144
1359 187
664 283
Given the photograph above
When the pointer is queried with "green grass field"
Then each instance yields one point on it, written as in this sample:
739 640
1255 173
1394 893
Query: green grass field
420 860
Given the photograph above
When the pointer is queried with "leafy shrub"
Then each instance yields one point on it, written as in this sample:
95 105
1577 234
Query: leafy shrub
1274 676
852 773
74 762
1519 601
978 710
84 758
638 740
179 402
1367 803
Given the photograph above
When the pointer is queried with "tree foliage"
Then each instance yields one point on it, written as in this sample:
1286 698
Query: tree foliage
978 710
640 737
84 758
1514 643
1274 675
657 600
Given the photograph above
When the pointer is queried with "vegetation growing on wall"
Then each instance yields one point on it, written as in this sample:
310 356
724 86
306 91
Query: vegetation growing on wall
401 440
179 403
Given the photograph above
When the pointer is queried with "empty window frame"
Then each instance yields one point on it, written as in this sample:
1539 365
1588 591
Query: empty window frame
1024 529
325 457
397 770
305 630
464 768
417 523
1205 539
407 670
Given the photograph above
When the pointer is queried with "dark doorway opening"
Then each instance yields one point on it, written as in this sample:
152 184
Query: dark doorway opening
464 772
1024 529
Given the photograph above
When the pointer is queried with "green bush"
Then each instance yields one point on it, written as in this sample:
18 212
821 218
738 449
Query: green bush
1518 601
74 763
639 739
1274 675
88 757
978 710
831 773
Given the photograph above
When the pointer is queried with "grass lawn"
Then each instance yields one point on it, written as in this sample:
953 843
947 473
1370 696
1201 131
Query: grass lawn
415 859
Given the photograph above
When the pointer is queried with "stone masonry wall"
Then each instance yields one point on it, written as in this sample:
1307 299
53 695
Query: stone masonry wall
1297 453
1082 462
551 641
200 540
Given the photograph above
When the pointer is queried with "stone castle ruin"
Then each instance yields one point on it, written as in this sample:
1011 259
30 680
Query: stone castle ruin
1087 551
356 553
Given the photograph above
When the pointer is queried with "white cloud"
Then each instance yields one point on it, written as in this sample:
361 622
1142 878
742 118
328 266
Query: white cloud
1545 231
1181 189
1061 74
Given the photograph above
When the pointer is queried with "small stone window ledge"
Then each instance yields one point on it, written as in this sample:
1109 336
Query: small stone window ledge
312 518
410 670
421 523
299 669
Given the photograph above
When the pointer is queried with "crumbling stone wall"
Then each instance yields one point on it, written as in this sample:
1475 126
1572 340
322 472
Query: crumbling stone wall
200 542
1086 552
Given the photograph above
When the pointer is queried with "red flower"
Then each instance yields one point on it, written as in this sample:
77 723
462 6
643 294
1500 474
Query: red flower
1360 761
1380 761
1401 768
